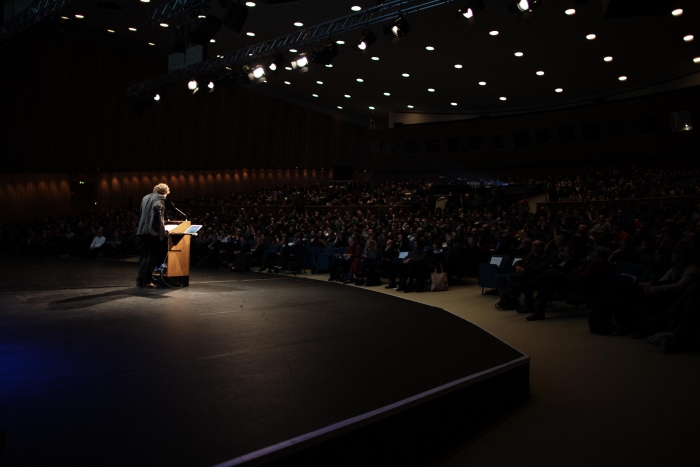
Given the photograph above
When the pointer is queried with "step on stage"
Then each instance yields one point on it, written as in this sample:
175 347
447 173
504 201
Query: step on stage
236 369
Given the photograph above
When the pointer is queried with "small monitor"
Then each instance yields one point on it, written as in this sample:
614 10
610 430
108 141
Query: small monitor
193 229
496 260
403 254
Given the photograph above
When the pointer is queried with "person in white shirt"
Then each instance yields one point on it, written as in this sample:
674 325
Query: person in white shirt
96 245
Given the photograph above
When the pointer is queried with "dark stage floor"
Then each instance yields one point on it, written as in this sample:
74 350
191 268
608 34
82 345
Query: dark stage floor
98 372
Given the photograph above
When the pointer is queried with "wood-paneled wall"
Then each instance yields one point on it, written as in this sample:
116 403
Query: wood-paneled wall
41 194
64 108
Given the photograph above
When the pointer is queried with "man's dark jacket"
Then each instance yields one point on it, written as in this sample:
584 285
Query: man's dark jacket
152 211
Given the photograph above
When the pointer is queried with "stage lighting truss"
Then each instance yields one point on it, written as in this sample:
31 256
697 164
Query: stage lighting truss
368 38
471 9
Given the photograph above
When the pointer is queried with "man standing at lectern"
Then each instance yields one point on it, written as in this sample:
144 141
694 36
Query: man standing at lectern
152 233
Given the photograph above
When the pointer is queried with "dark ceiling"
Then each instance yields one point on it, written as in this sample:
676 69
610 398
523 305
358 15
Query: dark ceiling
646 49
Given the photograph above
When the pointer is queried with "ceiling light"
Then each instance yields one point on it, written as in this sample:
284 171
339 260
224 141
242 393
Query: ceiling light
471 9
251 34
151 43
622 78
523 6
302 61
360 80
677 12
258 72
431 90
132 29
368 38
340 42
289 68
591 37
493 33
518 54
399 28
405 75
458 66
202 16
340 107
330 65
287 83
156 97
347 96
371 108
409 106
608 59
387 94
319 82
696 60
145 1
213 41
430 48
356 8
79 16
64 17
482 83
570 12
110 30
540 73
502 98
163 25
315 95
375 58
298 24
210 86
453 103
688 38
192 85
558 90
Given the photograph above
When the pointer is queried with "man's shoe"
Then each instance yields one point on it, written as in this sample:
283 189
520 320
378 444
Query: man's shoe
535 316
392 285
150 285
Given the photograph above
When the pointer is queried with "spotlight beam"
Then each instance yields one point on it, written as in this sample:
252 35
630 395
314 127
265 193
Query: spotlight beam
385 12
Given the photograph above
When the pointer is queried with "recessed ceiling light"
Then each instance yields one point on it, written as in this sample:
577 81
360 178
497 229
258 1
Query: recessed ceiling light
371 108
289 68
431 90
482 83
409 106
315 95
251 34
347 96
293 51
493 33
340 42
330 65
375 58
64 17
163 25
696 60
622 78
540 73
430 48
591 37
570 11
132 29
298 24
201 16
387 94
110 30
145 1
677 12
355 8
319 82
558 90
405 75
502 98
341 108
360 80
518 54
212 41
287 82
79 16
458 66
608 59
688 38
453 103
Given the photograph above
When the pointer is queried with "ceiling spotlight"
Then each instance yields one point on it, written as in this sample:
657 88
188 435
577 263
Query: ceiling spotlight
453 103
431 90
340 42
387 94
688 38
405 75
277 61
375 58
518 54
163 25
210 86
591 37
258 72
193 86
79 16
471 9
355 8
399 28
368 38
132 29
482 83
523 6
608 59
540 73
300 63
622 78
502 98
558 90
430 48
570 12
298 24
677 12
458 66
696 60
326 55
493 33
409 106
156 97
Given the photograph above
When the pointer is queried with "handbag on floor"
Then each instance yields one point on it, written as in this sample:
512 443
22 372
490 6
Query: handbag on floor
438 280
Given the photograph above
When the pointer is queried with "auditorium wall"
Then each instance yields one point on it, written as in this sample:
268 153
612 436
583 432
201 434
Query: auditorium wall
641 130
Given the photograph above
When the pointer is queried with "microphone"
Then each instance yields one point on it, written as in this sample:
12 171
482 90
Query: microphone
185 215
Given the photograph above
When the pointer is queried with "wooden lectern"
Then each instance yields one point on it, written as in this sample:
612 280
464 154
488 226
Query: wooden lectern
179 252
